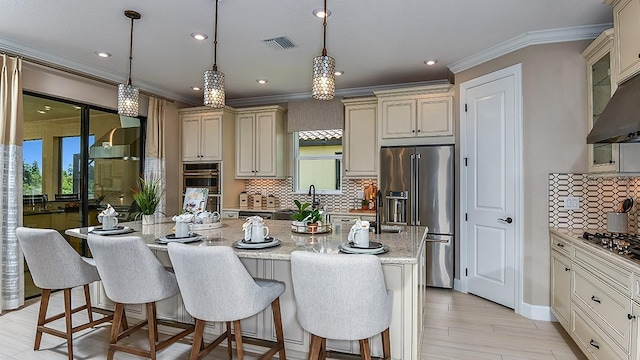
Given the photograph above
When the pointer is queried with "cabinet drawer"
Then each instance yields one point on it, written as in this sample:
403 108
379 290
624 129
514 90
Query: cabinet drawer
606 306
561 245
583 331
230 214
604 268
349 219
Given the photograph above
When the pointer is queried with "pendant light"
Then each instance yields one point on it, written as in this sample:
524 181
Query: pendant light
127 93
324 69
213 79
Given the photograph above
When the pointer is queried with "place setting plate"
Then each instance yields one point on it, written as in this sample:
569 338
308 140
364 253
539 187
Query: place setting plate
268 243
118 230
374 248
193 237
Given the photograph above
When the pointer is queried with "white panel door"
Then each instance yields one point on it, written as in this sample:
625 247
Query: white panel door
490 179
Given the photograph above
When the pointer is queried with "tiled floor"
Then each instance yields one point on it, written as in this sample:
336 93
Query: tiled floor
459 326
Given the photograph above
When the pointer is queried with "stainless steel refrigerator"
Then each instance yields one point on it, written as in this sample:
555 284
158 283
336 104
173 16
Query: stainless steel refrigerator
417 186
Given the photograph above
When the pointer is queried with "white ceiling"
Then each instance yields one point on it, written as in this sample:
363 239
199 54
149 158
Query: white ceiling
376 42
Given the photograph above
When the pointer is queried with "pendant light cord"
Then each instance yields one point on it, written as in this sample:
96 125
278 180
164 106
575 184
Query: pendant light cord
324 30
215 40
130 51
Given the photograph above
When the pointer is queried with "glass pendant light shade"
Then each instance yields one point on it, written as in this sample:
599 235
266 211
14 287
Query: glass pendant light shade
324 78
214 95
128 100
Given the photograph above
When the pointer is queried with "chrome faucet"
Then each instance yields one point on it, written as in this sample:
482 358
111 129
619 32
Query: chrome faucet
378 228
312 192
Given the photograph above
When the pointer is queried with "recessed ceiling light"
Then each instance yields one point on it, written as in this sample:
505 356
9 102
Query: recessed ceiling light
103 54
42 111
47 107
262 81
199 36
339 72
431 62
320 13
195 88
77 107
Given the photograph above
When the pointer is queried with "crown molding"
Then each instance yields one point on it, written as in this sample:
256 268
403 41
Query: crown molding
80 68
342 93
587 32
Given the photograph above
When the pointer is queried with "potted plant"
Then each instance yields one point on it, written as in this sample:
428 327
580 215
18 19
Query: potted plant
148 195
305 219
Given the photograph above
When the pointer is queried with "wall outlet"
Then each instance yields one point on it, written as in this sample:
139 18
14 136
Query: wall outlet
571 203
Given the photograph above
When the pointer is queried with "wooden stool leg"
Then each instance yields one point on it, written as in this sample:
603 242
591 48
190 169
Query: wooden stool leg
323 349
68 321
237 329
365 350
42 315
197 340
118 314
229 341
87 299
277 320
386 345
155 316
314 347
153 328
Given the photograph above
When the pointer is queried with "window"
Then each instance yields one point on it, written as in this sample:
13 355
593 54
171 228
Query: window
32 167
70 165
318 161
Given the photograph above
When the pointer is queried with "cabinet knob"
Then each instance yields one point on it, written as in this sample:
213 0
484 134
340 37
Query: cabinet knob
631 317
413 131
559 245
567 269
419 130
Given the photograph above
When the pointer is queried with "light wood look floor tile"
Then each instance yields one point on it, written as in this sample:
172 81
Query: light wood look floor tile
458 326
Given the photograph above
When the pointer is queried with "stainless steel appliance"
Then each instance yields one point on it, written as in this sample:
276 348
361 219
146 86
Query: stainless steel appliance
624 244
417 187
203 175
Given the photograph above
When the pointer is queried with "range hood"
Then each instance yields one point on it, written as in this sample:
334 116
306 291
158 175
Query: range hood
620 120
117 143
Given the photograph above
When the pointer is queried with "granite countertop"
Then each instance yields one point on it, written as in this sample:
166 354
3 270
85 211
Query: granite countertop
404 247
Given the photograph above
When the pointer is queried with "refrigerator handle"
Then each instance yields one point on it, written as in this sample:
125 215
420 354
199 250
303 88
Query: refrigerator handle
413 190
416 215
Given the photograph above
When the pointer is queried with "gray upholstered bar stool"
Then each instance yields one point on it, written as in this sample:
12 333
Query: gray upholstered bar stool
55 265
215 286
131 274
341 297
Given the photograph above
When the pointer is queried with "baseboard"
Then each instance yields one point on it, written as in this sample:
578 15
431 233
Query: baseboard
458 286
536 312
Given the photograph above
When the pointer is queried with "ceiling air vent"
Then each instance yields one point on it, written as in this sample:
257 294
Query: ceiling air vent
279 43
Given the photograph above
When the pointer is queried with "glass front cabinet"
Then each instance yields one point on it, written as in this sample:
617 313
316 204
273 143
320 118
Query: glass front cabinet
601 86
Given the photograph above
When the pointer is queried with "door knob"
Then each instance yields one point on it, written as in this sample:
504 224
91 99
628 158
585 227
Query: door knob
507 220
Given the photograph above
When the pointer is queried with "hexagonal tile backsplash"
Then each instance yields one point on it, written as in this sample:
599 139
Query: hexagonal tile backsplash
598 196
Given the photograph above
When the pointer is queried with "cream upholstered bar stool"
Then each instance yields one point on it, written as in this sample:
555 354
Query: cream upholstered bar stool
215 286
55 265
131 274
341 297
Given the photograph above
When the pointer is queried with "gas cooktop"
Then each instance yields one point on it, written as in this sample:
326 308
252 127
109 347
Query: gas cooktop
623 244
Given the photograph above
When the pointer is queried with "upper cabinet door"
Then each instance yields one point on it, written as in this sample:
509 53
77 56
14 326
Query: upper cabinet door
245 145
435 116
265 156
211 137
360 140
191 138
626 20
398 118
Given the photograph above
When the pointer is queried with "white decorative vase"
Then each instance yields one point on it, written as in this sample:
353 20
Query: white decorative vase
148 219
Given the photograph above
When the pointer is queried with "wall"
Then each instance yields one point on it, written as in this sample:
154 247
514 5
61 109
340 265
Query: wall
51 82
554 133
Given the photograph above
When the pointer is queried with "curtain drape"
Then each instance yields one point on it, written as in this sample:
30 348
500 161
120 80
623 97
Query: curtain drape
154 165
11 260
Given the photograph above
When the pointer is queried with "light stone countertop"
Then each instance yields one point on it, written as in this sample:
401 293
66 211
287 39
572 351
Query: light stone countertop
404 247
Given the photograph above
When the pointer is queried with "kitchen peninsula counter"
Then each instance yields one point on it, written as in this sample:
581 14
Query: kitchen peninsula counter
404 247
403 268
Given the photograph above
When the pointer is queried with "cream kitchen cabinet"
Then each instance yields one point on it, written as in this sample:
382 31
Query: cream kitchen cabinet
626 22
360 141
260 142
561 287
424 112
201 135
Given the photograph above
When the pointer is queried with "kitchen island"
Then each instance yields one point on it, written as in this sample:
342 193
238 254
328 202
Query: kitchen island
403 268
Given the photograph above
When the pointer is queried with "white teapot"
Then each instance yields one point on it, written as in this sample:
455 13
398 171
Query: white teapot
206 217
